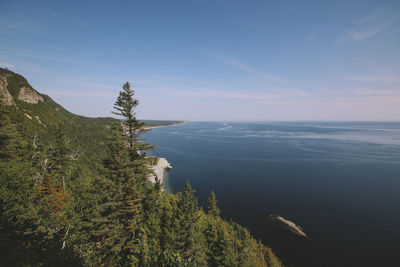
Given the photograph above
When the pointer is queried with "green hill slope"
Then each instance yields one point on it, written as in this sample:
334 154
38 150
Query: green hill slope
42 118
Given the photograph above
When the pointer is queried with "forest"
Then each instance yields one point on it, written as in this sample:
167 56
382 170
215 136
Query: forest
74 191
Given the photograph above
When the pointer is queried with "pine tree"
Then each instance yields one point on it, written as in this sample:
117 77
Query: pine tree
189 241
213 209
53 206
116 215
59 160
125 107
119 220
151 229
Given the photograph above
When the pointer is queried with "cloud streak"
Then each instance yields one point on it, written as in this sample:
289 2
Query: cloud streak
239 65
374 79
372 92
80 93
373 26
34 55
212 93
362 34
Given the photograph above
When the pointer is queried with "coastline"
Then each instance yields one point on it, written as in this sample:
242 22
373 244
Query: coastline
159 170
161 126
162 165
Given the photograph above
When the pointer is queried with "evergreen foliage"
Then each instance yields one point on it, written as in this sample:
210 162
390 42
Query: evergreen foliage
75 192
213 209
125 107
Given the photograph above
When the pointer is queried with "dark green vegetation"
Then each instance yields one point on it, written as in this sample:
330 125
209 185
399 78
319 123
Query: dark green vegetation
74 191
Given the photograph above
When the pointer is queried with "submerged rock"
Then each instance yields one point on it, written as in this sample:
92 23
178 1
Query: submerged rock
288 225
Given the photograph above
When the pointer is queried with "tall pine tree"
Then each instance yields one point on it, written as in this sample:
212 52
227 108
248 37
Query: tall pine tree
125 107
115 215
118 219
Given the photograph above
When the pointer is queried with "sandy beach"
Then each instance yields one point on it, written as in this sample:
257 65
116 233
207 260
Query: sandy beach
161 126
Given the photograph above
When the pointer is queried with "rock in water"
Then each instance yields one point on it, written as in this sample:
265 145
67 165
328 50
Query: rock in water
288 224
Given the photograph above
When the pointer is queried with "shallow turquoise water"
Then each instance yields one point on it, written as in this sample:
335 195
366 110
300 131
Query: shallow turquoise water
339 181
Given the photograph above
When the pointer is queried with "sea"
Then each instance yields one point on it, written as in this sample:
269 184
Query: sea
338 181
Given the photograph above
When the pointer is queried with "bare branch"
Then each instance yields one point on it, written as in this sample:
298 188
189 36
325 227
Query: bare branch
34 141
65 236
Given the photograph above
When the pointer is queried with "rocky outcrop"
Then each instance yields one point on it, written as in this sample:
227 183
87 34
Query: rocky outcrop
29 95
159 170
5 96
36 117
288 225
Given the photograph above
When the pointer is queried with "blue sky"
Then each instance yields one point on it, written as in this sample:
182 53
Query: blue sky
211 60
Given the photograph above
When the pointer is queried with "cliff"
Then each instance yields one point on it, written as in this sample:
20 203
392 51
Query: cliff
161 166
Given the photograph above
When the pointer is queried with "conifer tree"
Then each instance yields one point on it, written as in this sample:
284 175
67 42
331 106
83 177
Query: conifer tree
125 107
189 241
151 229
59 161
54 210
116 215
212 205
119 217
167 222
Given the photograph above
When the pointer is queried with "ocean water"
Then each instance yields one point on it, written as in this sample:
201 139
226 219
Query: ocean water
339 181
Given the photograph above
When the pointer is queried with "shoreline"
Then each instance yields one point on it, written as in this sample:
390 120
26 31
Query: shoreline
161 126
162 165
159 169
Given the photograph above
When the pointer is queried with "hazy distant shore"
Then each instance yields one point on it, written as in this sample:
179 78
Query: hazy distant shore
169 125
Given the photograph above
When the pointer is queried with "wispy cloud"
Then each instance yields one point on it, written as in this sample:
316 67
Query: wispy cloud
35 55
374 92
87 81
370 17
81 93
238 95
162 78
362 34
239 65
287 102
377 24
195 92
374 79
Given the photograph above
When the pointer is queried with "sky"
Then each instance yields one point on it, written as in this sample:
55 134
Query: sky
211 60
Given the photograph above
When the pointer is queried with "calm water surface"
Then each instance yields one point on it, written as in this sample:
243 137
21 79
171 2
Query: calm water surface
339 181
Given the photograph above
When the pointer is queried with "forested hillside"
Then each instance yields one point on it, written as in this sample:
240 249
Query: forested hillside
74 191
